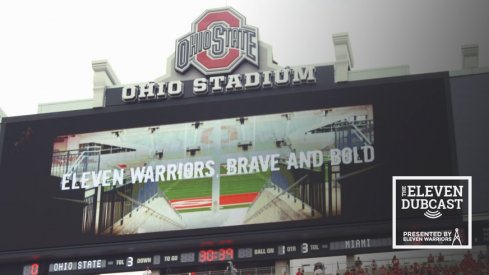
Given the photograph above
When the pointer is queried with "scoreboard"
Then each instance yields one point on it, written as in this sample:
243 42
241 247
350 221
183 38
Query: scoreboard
161 178
217 254
207 256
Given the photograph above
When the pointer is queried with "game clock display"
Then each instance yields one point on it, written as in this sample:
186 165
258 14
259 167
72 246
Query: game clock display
216 255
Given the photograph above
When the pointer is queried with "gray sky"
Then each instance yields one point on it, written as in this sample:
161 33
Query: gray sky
47 46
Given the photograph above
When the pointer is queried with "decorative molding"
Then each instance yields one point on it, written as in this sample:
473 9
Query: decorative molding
103 65
103 76
470 56
344 56
2 114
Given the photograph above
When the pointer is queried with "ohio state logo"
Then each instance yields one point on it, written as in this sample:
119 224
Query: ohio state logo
220 40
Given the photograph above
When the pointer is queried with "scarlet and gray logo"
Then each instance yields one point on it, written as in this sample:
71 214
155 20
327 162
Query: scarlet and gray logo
220 40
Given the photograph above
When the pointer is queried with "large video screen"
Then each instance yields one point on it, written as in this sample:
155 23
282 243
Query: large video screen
235 171
243 163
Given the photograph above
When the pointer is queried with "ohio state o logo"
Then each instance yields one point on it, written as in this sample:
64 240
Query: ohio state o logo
220 40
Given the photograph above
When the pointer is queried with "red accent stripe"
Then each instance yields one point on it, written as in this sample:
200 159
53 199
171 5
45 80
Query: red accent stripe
224 200
238 198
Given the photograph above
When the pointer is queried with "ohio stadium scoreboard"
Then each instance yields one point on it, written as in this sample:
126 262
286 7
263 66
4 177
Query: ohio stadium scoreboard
284 157
205 256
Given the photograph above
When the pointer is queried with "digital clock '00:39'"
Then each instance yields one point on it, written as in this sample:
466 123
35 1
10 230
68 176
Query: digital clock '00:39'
216 255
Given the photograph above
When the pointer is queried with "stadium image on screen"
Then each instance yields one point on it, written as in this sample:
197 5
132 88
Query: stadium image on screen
235 171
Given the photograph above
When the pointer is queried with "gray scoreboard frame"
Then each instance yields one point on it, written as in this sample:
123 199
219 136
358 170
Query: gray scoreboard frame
405 108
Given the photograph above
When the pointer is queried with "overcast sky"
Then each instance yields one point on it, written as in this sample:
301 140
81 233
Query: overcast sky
47 46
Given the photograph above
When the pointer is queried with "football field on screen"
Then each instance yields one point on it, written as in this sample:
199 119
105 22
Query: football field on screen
235 190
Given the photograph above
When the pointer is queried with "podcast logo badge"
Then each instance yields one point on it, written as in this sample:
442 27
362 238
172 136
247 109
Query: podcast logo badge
432 212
